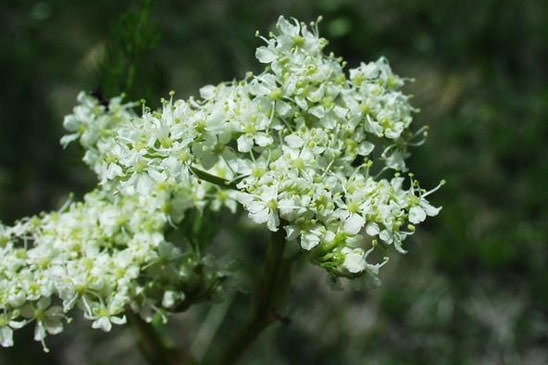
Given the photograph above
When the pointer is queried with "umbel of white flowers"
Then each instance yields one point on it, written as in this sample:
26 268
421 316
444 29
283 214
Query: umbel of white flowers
301 147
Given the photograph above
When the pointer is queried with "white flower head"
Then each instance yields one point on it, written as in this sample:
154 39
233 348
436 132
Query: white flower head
304 144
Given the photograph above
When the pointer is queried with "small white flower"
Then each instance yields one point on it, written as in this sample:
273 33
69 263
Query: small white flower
263 208
311 238
354 259
104 317
354 223
416 214
6 330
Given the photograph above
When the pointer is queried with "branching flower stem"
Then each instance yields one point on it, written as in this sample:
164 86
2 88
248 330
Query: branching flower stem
153 346
268 299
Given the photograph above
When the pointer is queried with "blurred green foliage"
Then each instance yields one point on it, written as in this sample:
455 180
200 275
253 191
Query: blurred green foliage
127 62
474 286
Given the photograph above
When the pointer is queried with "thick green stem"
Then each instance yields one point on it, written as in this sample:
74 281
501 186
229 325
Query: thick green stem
268 299
154 349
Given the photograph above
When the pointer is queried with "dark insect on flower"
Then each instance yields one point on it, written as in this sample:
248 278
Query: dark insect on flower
99 95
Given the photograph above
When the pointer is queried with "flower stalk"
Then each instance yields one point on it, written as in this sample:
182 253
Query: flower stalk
154 348
269 299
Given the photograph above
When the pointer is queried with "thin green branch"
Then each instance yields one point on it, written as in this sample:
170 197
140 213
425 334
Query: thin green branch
206 176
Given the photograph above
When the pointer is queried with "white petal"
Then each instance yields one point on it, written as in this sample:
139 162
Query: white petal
269 193
288 28
416 215
282 108
113 170
245 143
294 141
118 320
102 323
354 224
260 216
207 92
65 140
286 206
386 236
301 102
53 326
273 222
168 299
44 302
372 229
231 205
71 123
429 209
6 337
265 55
365 148
244 198
309 241
39 332
354 260
340 111
317 111
144 184
157 175
255 206
17 324
262 139
292 232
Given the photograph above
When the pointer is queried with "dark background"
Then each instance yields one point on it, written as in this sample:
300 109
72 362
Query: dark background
473 288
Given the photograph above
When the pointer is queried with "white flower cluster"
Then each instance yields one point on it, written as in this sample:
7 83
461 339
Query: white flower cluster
102 255
302 146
